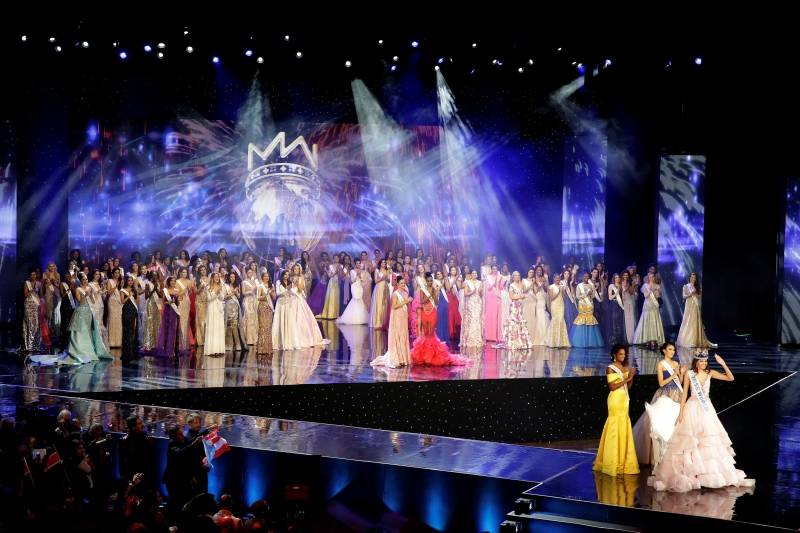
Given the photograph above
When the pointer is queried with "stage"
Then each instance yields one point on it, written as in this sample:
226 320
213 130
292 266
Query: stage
515 425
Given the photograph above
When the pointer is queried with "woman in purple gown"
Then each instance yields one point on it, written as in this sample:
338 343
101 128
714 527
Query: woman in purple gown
169 336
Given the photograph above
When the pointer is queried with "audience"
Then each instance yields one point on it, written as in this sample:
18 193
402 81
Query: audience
55 476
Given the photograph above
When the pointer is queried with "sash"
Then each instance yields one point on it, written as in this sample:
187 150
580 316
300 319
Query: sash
471 287
154 294
168 296
269 298
211 294
69 294
652 296
130 298
115 291
443 291
424 290
399 295
582 293
698 391
675 379
249 285
617 298
32 293
622 376
236 269
556 289
180 284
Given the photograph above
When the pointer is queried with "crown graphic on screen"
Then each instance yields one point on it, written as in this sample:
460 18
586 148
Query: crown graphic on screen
289 166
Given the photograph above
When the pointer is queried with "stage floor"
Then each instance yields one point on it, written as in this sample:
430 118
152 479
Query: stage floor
767 449
346 360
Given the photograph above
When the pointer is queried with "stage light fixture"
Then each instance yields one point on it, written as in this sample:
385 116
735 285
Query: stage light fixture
298 55
58 48
114 44
259 60
441 60
186 32
698 60
474 45
248 53
85 44
123 54
395 58
436 68
161 46
24 38
414 44
189 49
285 37
52 39
393 68
161 55
215 60
148 48
348 64
520 70
607 63
380 42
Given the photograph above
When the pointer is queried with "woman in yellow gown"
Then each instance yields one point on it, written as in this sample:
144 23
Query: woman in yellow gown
616 454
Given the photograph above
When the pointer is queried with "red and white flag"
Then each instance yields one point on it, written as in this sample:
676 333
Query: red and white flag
214 445
52 461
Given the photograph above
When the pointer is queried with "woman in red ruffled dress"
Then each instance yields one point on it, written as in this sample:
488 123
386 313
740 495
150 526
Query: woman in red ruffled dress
428 349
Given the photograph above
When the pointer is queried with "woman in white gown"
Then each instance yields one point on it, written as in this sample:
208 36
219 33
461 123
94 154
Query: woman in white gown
650 329
356 311
700 452
538 329
692 333
529 302
294 325
652 431
628 305
214 341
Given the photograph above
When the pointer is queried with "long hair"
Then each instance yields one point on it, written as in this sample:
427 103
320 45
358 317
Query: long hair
696 282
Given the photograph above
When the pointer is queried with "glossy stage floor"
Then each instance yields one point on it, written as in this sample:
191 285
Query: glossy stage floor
507 425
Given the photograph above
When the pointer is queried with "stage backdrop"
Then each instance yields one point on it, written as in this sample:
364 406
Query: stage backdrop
8 223
583 212
199 184
790 312
681 217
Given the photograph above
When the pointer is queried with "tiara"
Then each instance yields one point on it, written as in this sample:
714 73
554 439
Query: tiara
701 355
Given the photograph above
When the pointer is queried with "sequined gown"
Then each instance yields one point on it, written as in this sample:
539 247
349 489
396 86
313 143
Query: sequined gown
114 315
472 321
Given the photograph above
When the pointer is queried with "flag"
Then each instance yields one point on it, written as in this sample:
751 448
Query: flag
215 446
52 461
